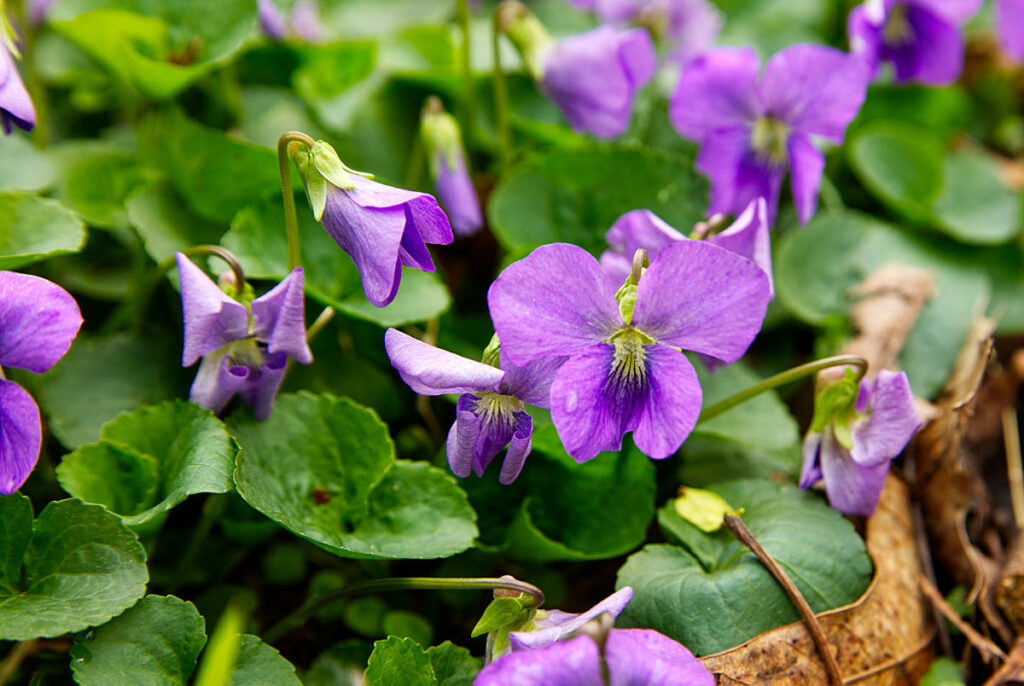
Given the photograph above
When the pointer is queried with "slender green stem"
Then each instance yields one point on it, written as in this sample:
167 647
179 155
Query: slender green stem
297 618
291 219
465 63
320 324
500 94
783 378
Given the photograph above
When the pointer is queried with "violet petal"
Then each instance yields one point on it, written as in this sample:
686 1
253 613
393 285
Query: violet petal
555 625
38 321
279 318
806 167
20 435
717 90
462 437
892 421
643 657
433 371
15 104
518 448
672 404
217 381
852 488
750 237
211 318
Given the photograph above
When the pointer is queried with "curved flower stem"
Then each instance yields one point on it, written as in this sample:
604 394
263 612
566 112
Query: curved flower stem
783 378
500 93
319 324
317 602
285 147
740 530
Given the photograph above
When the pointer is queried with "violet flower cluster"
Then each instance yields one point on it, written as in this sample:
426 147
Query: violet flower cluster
244 350
38 322
852 445
923 39
752 128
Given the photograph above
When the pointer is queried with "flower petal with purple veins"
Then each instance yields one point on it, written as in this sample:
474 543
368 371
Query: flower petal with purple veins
643 656
701 297
810 471
462 437
15 104
217 381
432 371
279 318
892 421
261 391
519 447
630 232
20 435
531 382
211 318
807 165
555 625
554 302
672 403
575 662
38 321
717 90
750 237
852 488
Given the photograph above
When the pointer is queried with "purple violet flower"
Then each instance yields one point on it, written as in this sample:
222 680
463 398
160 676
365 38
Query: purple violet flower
244 350
15 104
272 20
852 451
690 26
380 227
625 371
447 157
922 38
633 656
748 236
751 130
1010 27
550 626
490 413
38 321
593 76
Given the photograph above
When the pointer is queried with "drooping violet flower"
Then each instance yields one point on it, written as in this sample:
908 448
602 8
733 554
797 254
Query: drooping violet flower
922 38
244 350
1010 27
748 236
38 321
447 159
592 76
752 130
851 443
303 22
490 413
633 656
689 26
550 626
380 227
15 104
625 371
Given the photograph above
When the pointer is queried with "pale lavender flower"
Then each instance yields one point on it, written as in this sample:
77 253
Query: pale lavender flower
38 321
593 77
752 129
922 38
15 104
748 236
303 22
689 26
625 371
633 656
490 413
244 350
1010 27
550 626
853 450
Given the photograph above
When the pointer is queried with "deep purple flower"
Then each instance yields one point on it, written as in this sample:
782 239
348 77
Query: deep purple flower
625 372
490 413
447 157
748 236
853 450
1010 27
752 130
634 657
38 321
922 38
15 105
593 76
380 227
244 351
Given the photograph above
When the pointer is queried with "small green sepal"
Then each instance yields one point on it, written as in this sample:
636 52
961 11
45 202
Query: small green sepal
505 614
626 297
492 353
326 161
441 135
835 401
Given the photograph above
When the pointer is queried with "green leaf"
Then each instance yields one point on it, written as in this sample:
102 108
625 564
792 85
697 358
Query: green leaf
944 671
818 265
221 654
714 607
942 111
258 240
33 229
317 448
576 195
121 372
559 509
900 163
80 567
25 168
165 224
974 205
158 456
203 164
453 665
95 180
261 665
154 643
399 661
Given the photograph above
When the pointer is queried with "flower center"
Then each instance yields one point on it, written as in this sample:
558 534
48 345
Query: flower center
628 372
497 408
245 353
768 140
897 30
